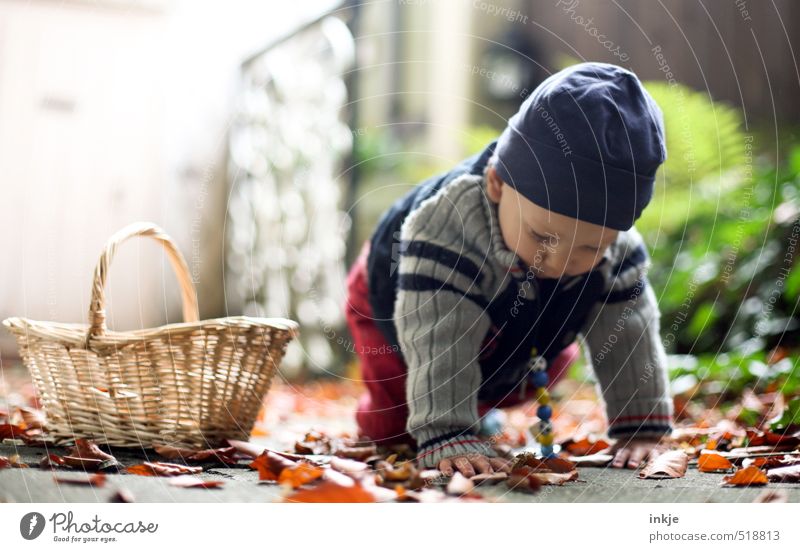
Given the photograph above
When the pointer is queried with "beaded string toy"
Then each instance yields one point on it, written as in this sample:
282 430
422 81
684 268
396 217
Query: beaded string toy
542 431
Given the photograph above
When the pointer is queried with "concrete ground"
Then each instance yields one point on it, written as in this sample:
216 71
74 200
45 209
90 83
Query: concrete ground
241 485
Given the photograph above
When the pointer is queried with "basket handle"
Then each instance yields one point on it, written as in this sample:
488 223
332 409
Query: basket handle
97 312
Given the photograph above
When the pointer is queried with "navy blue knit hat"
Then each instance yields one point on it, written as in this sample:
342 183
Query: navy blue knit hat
586 143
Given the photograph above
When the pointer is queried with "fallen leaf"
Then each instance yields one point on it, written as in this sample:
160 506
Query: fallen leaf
489 478
746 476
85 448
772 495
584 447
300 474
33 418
11 431
669 464
331 492
194 482
786 474
348 466
254 451
270 465
712 462
593 460
95 479
519 480
225 455
52 461
164 469
356 453
122 495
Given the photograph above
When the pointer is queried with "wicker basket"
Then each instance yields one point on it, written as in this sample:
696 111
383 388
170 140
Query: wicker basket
189 384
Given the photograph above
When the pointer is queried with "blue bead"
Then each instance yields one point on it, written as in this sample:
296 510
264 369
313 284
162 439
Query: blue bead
547 450
544 412
539 379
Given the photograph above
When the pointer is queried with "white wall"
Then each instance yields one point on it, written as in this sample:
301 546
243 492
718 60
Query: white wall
110 113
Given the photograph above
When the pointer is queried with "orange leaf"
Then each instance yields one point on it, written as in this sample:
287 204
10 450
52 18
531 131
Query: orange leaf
712 462
300 474
270 465
746 476
585 446
328 491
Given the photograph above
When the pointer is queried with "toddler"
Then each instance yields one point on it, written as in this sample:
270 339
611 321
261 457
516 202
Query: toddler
518 251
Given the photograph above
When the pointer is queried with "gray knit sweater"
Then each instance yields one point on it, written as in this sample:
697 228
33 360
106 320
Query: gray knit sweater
441 319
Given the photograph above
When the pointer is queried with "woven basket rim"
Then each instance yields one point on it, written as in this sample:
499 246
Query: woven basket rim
75 333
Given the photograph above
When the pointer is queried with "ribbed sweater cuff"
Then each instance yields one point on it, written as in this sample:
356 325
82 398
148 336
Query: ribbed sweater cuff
642 418
452 443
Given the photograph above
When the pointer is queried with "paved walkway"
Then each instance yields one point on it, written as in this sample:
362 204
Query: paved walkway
241 485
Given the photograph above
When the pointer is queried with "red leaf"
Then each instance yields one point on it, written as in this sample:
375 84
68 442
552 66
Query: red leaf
10 431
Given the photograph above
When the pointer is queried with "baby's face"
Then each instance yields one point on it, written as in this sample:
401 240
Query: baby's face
554 245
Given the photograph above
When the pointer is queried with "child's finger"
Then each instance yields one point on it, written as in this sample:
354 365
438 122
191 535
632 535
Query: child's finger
464 466
636 458
482 464
500 464
446 467
620 458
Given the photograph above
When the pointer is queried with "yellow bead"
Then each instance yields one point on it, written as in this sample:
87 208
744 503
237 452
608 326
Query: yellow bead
546 439
534 351
542 396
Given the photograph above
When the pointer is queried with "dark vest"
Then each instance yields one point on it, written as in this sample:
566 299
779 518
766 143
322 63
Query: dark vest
506 348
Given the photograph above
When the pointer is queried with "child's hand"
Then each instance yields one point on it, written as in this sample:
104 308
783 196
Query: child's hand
471 464
631 452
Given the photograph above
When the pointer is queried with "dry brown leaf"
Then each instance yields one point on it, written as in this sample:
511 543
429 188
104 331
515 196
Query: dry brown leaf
94 479
225 455
489 478
772 495
669 464
194 482
786 474
593 460
746 476
163 469
122 495
351 467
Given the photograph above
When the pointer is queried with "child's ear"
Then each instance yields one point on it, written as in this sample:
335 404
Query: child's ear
494 185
